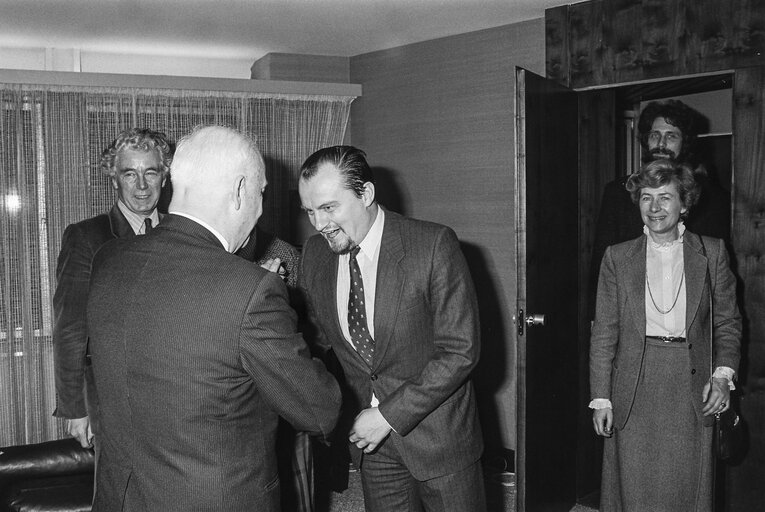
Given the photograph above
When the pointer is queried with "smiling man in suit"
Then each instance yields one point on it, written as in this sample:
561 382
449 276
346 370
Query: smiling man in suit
394 299
195 350
137 162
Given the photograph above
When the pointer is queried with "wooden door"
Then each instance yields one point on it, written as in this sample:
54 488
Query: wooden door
547 238
745 490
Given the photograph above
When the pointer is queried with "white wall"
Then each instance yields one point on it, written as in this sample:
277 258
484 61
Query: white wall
56 59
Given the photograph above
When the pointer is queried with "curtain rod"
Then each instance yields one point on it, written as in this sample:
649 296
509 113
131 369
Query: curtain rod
66 78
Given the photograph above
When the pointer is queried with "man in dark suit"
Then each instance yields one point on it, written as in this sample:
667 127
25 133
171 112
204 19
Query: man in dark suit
195 350
137 162
393 298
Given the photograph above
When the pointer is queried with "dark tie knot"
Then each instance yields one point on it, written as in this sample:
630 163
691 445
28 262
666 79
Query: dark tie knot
147 226
355 252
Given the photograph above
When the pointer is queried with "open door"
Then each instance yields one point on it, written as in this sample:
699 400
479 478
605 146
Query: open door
546 317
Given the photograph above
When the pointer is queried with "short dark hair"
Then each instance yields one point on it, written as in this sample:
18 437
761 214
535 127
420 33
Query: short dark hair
678 114
141 139
658 173
351 162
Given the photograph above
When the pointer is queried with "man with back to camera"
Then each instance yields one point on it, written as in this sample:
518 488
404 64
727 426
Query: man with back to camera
667 130
394 299
195 350
137 162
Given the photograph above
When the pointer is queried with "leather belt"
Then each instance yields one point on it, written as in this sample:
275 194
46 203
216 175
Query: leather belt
666 339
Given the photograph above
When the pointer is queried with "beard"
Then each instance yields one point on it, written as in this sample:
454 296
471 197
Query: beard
340 243
658 154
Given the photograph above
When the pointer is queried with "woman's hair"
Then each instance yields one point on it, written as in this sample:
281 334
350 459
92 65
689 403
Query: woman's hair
658 173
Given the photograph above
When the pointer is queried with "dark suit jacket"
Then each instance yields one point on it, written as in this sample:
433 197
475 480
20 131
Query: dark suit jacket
70 338
618 334
426 343
195 355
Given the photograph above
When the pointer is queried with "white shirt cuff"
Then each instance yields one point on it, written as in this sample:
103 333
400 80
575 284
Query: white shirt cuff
600 403
723 372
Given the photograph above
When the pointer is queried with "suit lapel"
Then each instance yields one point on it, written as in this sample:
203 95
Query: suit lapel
635 276
119 224
695 264
390 284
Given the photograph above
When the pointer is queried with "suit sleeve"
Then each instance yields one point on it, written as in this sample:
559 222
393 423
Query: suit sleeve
727 318
70 337
456 339
297 386
605 330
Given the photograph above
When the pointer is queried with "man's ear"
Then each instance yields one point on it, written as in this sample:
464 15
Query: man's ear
368 195
239 191
115 183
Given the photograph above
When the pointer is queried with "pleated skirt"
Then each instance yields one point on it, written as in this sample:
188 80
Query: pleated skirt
662 459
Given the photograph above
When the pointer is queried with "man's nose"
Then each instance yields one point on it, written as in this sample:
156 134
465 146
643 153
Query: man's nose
142 184
320 220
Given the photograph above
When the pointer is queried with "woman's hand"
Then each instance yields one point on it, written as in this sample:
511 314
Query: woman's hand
603 421
716 397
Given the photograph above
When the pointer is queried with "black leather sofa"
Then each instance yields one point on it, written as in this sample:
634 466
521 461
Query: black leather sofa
54 476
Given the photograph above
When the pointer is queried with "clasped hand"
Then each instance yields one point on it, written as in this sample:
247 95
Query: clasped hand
369 429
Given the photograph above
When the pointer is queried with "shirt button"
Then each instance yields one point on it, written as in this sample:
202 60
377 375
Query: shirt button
373 377
693 371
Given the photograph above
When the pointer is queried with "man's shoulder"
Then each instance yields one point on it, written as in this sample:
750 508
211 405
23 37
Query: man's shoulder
94 232
417 227
99 223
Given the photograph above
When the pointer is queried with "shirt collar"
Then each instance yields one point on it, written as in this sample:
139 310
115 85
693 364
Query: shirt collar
135 219
370 246
673 243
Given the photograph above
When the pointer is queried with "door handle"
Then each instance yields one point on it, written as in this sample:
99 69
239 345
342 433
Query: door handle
532 319
535 320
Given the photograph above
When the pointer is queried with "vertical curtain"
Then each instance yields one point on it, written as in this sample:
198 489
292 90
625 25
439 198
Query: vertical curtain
51 138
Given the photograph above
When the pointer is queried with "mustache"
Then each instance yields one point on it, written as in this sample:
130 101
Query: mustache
663 152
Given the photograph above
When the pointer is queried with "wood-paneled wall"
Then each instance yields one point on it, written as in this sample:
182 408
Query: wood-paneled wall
437 122
617 41
745 482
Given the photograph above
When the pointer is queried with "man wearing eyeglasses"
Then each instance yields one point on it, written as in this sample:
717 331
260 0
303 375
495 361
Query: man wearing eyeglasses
667 130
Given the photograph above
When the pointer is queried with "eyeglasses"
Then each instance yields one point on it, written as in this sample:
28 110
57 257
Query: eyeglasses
667 137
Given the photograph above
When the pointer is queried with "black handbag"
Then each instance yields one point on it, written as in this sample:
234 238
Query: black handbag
730 436
729 441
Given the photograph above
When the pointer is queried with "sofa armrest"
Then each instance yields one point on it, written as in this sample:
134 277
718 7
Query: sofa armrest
49 459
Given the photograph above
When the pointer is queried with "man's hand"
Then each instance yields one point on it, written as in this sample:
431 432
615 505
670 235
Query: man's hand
79 428
603 421
369 429
716 396
275 265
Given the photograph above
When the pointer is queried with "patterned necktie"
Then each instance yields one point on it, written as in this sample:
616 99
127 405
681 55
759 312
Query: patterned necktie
357 317
147 226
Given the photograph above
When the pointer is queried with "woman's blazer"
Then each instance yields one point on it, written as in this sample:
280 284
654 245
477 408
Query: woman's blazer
617 344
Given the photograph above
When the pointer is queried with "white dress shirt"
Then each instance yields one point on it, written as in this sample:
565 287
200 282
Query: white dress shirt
136 220
367 258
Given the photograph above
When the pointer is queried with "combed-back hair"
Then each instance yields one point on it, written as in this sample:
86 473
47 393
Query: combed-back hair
351 162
